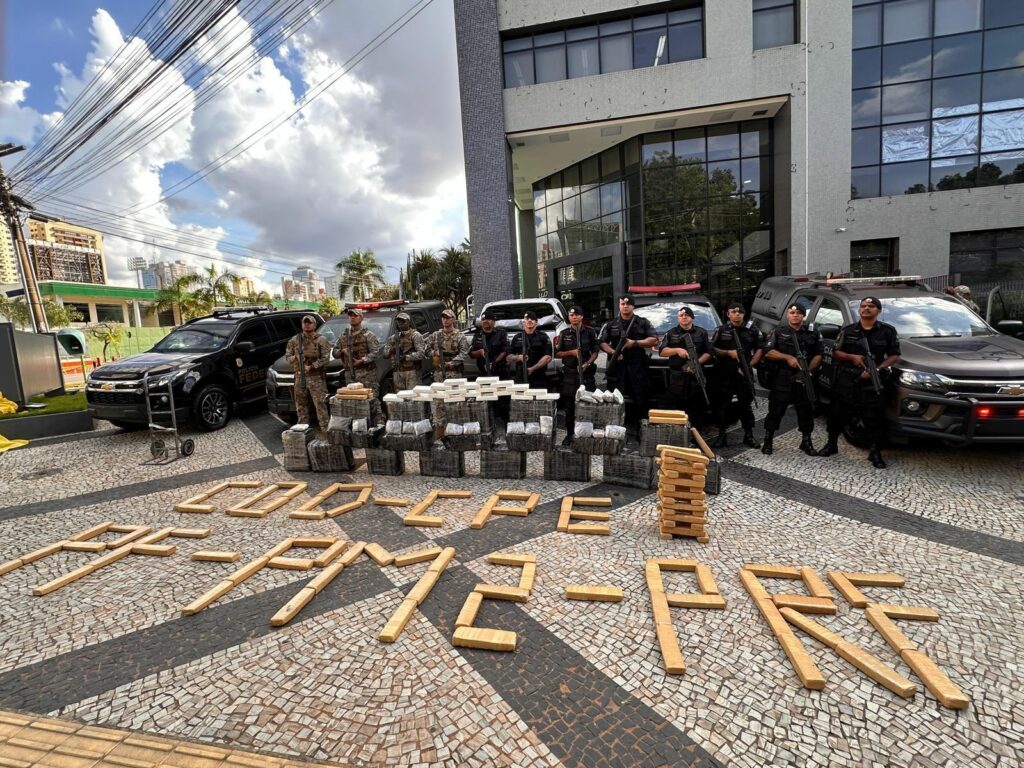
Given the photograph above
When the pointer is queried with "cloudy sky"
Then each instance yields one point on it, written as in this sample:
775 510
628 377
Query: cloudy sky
375 162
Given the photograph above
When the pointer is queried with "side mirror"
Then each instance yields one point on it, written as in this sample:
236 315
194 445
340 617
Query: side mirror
1010 327
829 331
245 346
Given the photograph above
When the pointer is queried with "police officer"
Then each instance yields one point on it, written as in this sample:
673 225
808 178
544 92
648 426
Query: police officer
628 372
406 349
730 377
683 386
531 348
576 347
449 348
489 348
358 348
853 392
788 386
308 353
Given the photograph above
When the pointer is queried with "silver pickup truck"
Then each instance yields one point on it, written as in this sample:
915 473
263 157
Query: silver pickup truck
551 318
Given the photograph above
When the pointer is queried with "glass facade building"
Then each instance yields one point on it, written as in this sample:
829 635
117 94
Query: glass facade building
632 42
673 206
938 95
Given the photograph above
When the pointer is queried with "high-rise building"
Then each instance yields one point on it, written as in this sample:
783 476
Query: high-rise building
611 143
244 287
332 285
9 272
309 278
294 289
66 252
162 274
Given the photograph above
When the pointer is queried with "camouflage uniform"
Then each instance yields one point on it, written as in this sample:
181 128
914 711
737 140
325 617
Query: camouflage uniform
411 347
365 347
315 352
454 348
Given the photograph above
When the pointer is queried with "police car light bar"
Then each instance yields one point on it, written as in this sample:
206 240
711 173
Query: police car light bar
375 304
871 280
688 288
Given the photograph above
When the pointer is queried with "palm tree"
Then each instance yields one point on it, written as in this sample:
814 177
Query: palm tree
422 265
361 272
452 281
178 295
214 286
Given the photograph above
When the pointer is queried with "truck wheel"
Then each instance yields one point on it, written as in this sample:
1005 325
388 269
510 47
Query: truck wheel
211 407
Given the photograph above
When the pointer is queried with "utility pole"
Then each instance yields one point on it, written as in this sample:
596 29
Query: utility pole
9 205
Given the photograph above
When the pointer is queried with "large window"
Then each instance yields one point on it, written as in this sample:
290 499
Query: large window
938 95
874 258
690 204
633 42
994 255
774 23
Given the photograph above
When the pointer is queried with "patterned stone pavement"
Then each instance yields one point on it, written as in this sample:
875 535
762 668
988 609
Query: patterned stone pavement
585 686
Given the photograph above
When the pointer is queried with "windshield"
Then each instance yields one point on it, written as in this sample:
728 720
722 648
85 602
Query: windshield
510 316
195 338
379 325
928 316
665 317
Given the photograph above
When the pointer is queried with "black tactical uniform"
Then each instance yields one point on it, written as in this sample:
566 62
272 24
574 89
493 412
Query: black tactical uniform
787 384
730 381
497 345
854 395
630 374
683 388
585 340
537 346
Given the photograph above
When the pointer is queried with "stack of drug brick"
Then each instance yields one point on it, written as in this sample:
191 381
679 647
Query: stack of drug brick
294 440
682 503
355 417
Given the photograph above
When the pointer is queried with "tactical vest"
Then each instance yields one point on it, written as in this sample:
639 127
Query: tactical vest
357 340
311 347
448 343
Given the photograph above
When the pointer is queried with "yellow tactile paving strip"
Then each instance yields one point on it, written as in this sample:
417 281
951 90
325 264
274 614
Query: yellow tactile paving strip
42 742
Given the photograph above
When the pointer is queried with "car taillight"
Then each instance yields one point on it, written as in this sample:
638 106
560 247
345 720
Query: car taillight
1020 413
984 412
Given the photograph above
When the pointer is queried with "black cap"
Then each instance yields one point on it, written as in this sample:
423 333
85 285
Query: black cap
529 315
735 305
575 309
872 300
686 311
628 299
798 308
488 315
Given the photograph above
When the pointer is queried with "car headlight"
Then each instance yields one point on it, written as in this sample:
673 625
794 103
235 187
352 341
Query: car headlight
169 378
935 382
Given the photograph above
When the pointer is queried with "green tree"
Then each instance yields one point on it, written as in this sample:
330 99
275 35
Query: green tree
387 292
213 287
452 280
361 272
15 310
329 307
422 265
178 295
60 315
110 334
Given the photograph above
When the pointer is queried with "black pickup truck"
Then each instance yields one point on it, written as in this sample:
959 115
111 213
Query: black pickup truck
959 379
214 364
378 317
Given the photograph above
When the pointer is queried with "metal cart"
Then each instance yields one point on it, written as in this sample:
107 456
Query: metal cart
165 445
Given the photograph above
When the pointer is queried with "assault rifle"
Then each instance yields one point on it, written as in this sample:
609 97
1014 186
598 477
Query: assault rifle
741 356
350 361
522 363
618 347
871 366
438 355
487 352
805 369
397 339
695 367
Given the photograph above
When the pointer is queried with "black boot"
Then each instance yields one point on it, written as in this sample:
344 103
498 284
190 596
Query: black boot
830 448
567 441
875 457
766 447
722 440
807 446
748 439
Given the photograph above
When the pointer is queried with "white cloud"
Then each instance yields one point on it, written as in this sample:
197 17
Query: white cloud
376 161
19 124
